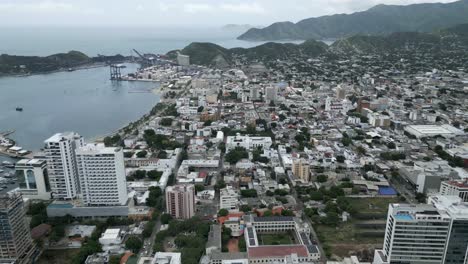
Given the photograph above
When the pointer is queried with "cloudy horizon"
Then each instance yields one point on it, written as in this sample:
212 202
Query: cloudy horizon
155 13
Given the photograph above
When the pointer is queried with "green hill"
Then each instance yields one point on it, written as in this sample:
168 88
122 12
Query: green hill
212 54
11 64
381 19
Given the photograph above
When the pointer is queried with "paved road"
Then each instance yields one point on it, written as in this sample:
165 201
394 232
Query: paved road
147 249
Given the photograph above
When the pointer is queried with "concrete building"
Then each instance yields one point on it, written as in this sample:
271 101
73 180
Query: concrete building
254 93
33 179
61 163
431 233
422 131
180 201
301 170
229 198
183 60
303 251
112 240
247 142
455 188
101 172
167 258
15 238
271 93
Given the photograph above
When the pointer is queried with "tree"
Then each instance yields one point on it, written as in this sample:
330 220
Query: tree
237 154
391 145
154 197
166 121
154 174
340 159
361 150
316 195
220 185
199 188
162 154
245 208
148 230
223 212
200 109
249 193
134 244
128 154
332 219
165 219
222 147
115 259
268 213
322 178
287 213
139 174
346 141
142 154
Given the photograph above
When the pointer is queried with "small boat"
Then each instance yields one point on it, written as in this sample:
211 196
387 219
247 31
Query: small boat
19 109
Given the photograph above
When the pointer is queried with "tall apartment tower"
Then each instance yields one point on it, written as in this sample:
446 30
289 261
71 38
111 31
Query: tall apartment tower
301 170
15 239
60 155
180 201
432 233
270 93
101 174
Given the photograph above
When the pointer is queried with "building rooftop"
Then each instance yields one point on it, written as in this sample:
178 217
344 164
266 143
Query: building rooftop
277 251
273 219
96 149
63 136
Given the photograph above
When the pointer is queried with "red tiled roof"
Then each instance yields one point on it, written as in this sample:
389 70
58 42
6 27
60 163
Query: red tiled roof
223 219
40 231
277 251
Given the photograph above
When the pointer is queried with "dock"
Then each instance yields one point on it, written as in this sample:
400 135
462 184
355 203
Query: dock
5 152
6 133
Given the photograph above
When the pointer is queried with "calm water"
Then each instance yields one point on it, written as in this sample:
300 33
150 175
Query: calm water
85 101
110 41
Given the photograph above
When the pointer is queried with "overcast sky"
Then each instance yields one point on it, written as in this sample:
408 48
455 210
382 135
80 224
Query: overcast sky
175 12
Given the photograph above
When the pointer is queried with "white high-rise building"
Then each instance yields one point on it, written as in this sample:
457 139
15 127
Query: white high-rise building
101 172
60 155
457 188
180 201
430 233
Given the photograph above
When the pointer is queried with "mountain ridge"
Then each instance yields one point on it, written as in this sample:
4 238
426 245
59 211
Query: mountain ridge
380 19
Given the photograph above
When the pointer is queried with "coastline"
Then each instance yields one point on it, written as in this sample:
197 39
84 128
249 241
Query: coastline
76 68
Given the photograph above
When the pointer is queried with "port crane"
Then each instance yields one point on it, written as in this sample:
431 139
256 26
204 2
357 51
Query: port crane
146 61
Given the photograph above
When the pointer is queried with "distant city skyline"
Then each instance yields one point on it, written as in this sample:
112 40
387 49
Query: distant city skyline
163 13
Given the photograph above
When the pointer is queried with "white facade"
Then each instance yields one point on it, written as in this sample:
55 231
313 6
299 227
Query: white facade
247 142
229 198
101 173
180 201
60 155
432 233
456 188
167 258
183 60
421 131
33 178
